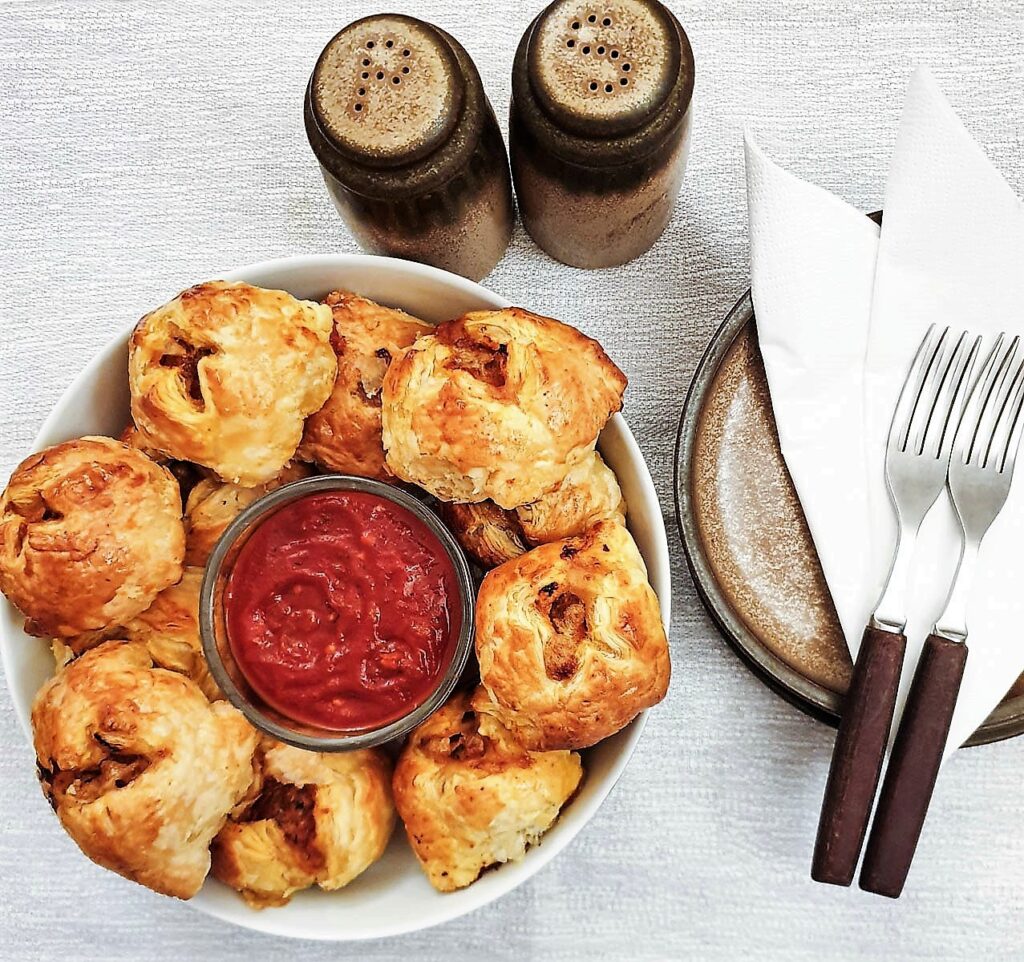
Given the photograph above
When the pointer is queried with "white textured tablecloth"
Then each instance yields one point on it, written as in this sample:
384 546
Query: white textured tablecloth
146 146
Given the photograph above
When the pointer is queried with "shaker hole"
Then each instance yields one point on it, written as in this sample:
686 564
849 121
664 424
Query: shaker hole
593 85
365 75
362 91
366 62
359 107
615 55
607 22
405 70
607 88
406 53
626 67
570 43
389 44
370 45
586 49
624 81
600 50
575 24
396 80
380 74
591 19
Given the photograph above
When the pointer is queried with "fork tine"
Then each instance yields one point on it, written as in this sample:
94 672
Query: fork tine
991 417
912 387
1011 423
963 445
925 404
925 407
949 403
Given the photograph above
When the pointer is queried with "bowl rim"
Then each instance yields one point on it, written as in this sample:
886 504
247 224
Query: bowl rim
259 511
813 699
583 809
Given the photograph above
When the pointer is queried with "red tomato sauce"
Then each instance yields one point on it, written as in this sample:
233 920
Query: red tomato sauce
342 610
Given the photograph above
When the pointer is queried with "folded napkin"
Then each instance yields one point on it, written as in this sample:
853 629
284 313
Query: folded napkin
841 308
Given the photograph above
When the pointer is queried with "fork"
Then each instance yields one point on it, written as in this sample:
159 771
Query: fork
917 454
980 472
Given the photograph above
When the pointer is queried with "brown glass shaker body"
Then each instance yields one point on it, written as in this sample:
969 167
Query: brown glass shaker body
409 146
599 127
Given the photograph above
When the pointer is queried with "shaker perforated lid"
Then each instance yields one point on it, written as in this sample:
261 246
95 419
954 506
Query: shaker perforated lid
603 67
387 90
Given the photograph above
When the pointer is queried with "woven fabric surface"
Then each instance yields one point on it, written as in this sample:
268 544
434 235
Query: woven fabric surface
150 145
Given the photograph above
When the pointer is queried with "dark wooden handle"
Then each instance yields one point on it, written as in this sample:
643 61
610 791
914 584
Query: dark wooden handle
913 767
857 756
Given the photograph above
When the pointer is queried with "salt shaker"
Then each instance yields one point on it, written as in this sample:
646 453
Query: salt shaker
599 127
409 145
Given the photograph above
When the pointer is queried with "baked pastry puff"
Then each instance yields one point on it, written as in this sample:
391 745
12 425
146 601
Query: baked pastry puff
169 628
213 504
471 796
225 374
187 474
90 534
589 492
493 535
319 819
489 535
496 404
345 434
135 439
570 640
140 768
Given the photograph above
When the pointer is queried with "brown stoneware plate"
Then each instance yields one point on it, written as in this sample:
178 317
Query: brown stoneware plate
747 541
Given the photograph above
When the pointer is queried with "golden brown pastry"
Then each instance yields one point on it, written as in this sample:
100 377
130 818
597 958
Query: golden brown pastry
213 504
140 768
62 652
490 535
187 474
319 819
169 628
589 492
493 535
135 439
225 374
90 533
345 435
496 404
471 796
570 640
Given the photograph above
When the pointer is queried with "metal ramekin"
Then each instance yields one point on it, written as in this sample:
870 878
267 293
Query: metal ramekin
218 652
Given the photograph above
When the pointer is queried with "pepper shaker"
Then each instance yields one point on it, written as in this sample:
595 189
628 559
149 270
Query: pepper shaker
409 146
599 127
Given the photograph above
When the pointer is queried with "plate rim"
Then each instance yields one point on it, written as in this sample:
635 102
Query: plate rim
812 699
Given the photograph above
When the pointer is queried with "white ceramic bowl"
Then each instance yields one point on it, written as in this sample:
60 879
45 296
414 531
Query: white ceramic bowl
393 896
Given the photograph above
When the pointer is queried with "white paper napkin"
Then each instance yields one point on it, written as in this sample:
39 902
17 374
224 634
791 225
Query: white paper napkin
813 260
951 251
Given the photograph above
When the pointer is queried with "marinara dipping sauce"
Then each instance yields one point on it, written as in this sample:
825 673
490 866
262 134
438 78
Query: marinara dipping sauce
339 610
